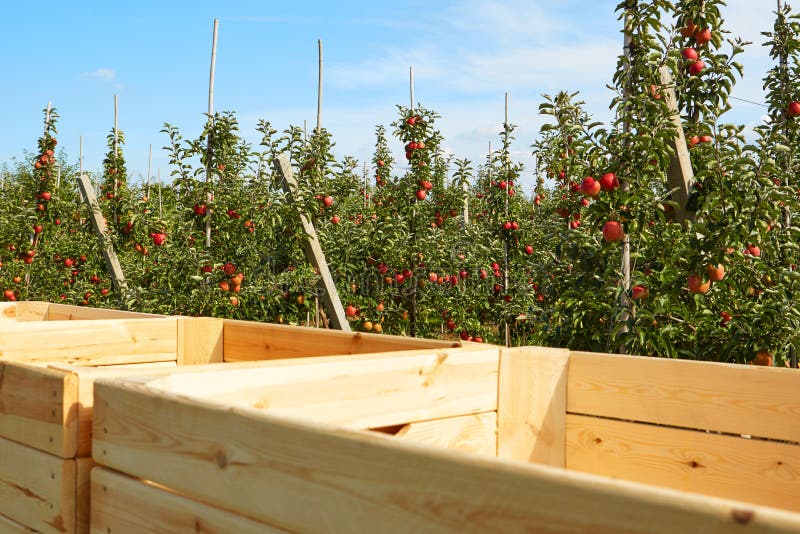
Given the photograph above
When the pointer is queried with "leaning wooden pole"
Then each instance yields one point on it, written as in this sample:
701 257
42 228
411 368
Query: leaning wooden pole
98 223
679 173
313 249
210 140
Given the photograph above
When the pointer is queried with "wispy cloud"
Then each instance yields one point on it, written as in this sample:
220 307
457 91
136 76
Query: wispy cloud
101 74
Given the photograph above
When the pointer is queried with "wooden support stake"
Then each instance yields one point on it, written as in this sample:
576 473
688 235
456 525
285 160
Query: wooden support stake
209 194
679 174
112 262
149 163
319 88
313 249
411 86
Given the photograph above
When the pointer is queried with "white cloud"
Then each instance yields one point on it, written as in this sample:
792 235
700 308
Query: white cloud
101 74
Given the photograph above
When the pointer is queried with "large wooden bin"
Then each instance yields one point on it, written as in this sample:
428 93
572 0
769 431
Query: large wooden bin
49 361
549 441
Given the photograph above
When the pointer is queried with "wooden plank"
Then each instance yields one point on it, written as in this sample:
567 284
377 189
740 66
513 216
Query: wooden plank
358 393
329 295
248 341
475 433
8 311
83 468
9 526
38 407
85 377
199 340
64 312
532 404
102 342
32 311
679 174
737 399
37 489
314 478
124 504
756 471
98 222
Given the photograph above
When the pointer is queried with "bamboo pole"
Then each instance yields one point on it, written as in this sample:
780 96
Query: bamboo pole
116 126
505 244
209 193
149 164
160 206
319 87
411 86
47 116
365 185
626 242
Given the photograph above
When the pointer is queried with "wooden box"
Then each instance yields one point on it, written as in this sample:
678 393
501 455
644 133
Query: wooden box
49 361
492 440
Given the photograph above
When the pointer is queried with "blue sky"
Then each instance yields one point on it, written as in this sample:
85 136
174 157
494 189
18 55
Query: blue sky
466 54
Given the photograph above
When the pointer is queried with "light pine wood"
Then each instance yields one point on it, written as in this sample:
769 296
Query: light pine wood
680 174
737 399
8 526
38 407
37 489
532 404
359 392
756 471
313 478
248 341
124 504
8 311
475 433
313 249
101 342
32 311
199 340
83 468
98 223
64 312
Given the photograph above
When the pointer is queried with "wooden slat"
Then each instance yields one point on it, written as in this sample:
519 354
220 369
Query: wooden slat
360 392
65 312
248 341
38 407
32 311
737 399
124 504
680 174
329 295
757 471
468 433
37 489
199 340
99 224
313 478
83 467
101 342
532 404
8 311
9 526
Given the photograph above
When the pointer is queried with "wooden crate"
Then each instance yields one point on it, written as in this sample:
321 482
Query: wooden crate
566 442
49 362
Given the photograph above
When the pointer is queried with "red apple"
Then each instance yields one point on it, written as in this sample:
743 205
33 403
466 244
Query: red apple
702 37
590 187
335 219
696 284
690 54
327 201
696 67
421 194
715 272
640 292
793 109
609 181
528 249
351 311
613 231
159 238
